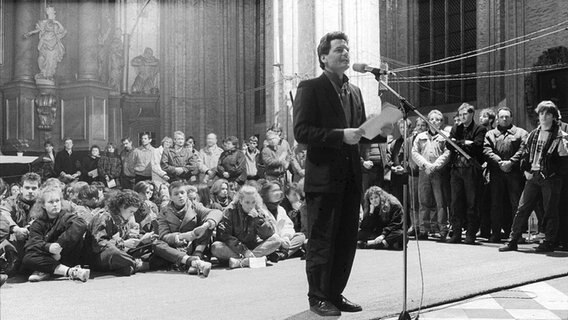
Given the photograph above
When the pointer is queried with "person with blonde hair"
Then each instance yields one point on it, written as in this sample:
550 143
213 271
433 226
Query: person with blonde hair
55 240
245 231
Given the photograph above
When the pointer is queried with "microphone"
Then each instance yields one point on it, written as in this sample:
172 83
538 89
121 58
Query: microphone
364 68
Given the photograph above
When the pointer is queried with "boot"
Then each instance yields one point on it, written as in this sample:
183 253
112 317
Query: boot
510 246
201 267
238 263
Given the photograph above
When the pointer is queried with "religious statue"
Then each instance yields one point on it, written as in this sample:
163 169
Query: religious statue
116 61
146 80
103 39
51 50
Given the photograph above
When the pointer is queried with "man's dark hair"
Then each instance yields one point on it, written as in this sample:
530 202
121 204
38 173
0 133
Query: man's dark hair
232 139
505 109
126 139
325 44
177 184
122 200
47 142
547 106
32 177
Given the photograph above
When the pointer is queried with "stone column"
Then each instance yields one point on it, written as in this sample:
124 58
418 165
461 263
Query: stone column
88 30
26 18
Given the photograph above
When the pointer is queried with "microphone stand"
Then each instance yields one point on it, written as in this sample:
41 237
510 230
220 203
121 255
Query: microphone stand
406 108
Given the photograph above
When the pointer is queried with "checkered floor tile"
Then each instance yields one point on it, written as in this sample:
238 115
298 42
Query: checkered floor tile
539 301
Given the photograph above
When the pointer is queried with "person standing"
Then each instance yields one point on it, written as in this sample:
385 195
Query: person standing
67 164
431 155
502 152
143 159
327 113
544 161
179 161
465 175
210 157
127 159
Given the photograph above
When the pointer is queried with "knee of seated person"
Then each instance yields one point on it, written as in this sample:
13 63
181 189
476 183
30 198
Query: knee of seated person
216 247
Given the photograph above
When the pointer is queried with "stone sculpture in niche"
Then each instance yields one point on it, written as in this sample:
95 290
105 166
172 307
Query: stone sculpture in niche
51 49
116 61
147 67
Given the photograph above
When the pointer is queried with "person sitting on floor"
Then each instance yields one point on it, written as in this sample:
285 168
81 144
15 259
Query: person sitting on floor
55 241
147 215
381 227
220 193
232 162
112 236
89 204
185 229
245 231
15 220
291 241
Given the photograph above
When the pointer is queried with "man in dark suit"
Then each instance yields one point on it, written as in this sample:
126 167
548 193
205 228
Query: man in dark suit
327 113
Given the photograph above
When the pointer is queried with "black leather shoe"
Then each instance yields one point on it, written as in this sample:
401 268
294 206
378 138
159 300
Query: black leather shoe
545 246
348 306
324 308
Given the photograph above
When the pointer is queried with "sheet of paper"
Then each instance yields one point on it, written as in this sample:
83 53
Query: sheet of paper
111 184
94 173
387 118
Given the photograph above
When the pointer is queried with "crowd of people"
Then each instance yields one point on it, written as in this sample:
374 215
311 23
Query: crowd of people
176 208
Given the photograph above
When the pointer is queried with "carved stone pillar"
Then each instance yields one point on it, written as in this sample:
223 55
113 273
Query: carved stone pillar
26 17
88 26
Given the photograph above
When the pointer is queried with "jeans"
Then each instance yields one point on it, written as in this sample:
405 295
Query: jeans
465 187
430 189
44 262
223 252
115 260
549 189
504 184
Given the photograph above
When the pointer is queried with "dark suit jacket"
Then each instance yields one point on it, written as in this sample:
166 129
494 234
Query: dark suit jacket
319 121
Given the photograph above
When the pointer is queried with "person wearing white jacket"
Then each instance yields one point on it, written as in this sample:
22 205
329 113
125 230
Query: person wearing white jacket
291 241
159 176
431 155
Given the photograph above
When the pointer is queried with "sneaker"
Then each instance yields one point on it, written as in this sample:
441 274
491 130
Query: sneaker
78 273
37 276
202 267
3 279
510 246
235 263
545 246
141 266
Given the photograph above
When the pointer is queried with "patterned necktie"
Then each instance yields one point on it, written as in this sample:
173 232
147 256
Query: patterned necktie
346 103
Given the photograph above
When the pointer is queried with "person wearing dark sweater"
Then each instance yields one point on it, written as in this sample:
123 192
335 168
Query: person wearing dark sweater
245 231
67 164
110 166
381 226
232 162
90 165
466 175
55 241
112 236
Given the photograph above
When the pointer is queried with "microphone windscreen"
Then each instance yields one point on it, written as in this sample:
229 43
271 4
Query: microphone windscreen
359 67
